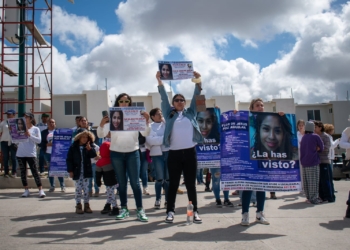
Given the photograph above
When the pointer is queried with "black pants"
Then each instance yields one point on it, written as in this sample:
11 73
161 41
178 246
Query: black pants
32 162
183 160
326 189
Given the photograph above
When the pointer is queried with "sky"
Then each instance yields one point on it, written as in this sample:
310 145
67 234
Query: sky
251 48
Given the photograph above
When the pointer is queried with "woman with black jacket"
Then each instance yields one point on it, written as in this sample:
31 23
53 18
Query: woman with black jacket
79 167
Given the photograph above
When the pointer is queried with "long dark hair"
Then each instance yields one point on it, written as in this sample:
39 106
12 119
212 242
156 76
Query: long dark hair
287 146
116 103
170 69
215 130
111 127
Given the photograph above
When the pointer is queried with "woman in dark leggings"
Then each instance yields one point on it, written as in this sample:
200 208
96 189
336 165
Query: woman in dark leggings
181 135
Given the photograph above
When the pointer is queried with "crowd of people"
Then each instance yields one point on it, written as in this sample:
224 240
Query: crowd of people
172 131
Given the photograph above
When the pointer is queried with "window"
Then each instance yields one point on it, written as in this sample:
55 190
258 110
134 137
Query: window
314 115
72 107
138 104
330 110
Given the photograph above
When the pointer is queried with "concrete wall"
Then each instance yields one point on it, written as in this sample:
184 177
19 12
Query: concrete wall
326 117
224 102
96 102
67 121
285 105
341 113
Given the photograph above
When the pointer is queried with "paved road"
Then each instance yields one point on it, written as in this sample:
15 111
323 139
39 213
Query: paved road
50 223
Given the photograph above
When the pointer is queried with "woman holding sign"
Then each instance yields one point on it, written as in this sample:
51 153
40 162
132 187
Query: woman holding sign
256 105
125 158
181 135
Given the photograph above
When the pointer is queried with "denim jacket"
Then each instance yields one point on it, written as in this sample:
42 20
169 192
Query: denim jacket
190 113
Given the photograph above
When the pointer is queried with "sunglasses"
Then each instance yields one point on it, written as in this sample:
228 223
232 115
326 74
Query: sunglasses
179 100
123 101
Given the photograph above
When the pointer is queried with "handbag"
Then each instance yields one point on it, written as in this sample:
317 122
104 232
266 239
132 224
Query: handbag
346 167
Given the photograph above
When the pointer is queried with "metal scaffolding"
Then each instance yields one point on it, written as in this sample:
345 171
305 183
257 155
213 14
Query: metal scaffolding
26 56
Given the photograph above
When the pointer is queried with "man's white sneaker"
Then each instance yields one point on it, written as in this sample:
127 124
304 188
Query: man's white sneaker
170 217
245 219
145 191
260 218
42 194
26 193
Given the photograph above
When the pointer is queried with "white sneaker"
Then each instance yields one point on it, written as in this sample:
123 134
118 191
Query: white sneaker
157 204
170 217
26 193
145 191
245 219
260 218
42 194
196 218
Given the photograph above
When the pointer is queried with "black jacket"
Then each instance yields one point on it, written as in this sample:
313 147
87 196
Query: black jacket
74 160
43 143
108 174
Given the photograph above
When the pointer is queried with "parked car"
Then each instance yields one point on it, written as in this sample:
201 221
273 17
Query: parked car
337 166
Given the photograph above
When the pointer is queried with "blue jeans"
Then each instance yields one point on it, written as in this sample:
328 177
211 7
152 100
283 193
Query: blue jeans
6 152
200 175
144 169
51 179
160 165
97 189
42 159
260 200
127 163
252 199
215 178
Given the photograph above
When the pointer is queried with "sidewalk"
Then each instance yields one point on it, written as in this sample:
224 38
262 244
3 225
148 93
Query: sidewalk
50 223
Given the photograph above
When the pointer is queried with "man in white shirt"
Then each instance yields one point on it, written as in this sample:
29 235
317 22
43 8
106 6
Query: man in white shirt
344 142
7 147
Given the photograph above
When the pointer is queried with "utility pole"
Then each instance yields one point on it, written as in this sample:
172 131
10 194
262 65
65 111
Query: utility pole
106 83
21 60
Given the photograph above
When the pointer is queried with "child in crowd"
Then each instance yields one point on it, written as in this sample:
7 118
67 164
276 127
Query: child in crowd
105 170
310 145
79 167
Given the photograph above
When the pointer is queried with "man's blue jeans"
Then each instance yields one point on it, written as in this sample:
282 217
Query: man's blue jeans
6 152
51 179
160 165
127 163
42 159
215 178
200 175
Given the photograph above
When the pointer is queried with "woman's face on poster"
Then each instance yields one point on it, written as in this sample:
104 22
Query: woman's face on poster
165 71
20 125
116 119
205 123
271 133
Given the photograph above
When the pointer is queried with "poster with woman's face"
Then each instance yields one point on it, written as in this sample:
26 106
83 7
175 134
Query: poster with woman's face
127 119
17 129
209 125
273 136
175 70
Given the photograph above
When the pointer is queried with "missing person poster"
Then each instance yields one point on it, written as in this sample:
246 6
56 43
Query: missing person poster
62 139
175 70
17 128
208 153
127 119
259 152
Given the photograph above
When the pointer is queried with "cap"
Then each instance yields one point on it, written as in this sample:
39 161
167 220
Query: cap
45 115
309 126
10 112
28 114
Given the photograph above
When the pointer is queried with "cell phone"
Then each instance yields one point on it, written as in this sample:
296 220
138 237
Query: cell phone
104 113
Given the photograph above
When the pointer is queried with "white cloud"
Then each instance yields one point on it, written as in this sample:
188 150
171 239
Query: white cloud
316 64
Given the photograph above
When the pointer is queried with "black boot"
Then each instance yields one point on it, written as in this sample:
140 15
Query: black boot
115 211
106 209
347 215
207 182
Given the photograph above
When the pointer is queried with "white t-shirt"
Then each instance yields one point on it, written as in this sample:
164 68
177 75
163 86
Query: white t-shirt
28 149
49 138
182 133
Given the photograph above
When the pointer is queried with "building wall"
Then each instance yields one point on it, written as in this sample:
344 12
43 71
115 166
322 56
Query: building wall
67 121
326 117
96 102
341 114
224 102
285 105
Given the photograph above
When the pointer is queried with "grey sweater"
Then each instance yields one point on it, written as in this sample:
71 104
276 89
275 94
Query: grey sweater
324 155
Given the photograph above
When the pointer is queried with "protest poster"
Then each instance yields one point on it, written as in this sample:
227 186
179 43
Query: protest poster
127 119
175 70
208 153
278 170
62 140
17 128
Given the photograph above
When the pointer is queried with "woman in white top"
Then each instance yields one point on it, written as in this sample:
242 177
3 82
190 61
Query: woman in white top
300 134
26 153
125 159
329 129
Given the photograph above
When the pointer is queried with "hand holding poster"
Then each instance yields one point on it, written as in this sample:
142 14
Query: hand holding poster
17 129
242 135
62 139
175 70
127 119
208 154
